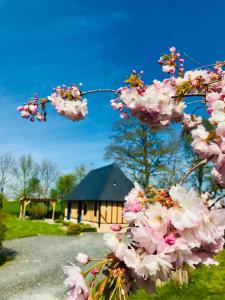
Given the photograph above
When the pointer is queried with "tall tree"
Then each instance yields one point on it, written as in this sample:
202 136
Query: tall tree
33 187
140 151
6 169
25 170
47 174
66 183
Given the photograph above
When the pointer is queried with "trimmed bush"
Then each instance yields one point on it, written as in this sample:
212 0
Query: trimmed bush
38 212
75 229
88 228
66 223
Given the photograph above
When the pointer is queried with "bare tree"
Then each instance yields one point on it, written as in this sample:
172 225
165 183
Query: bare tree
25 170
140 151
6 168
47 174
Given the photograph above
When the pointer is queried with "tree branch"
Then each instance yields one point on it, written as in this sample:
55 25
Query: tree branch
188 172
192 59
190 95
216 201
197 101
210 65
99 91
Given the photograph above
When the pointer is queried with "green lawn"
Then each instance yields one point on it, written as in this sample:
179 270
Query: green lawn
205 284
22 228
11 207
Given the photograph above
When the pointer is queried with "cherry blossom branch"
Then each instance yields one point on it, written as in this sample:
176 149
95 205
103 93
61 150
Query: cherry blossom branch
192 59
210 65
99 91
216 201
197 101
188 172
190 95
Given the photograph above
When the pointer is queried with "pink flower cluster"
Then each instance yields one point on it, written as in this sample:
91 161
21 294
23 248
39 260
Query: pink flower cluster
155 105
191 121
162 239
212 144
35 108
211 147
172 62
166 230
69 103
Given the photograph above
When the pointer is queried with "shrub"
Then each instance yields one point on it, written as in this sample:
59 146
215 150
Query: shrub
66 223
88 228
60 219
3 227
38 211
75 229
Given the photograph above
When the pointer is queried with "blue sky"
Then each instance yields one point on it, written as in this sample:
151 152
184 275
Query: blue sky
98 43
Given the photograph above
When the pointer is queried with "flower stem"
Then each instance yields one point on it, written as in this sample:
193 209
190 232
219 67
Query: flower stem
188 172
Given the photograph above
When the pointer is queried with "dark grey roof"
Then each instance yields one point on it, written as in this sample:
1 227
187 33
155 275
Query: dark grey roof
107 183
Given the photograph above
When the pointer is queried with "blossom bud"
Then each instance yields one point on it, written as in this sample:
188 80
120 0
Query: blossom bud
40 117
82 258
20 108
95 271
116 227
124 115
170 238
172 49
25 114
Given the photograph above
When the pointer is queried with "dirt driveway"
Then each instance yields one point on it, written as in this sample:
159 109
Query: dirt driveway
36 271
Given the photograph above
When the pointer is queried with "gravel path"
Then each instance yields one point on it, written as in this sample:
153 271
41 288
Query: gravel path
36 272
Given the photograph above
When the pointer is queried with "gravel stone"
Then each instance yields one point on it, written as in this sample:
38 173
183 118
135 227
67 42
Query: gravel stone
36 271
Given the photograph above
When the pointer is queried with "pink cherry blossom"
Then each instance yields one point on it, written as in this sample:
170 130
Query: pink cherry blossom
76 284
187 212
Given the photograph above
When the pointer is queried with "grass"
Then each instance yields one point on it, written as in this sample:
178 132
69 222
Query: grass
23 228
11 207
205 284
